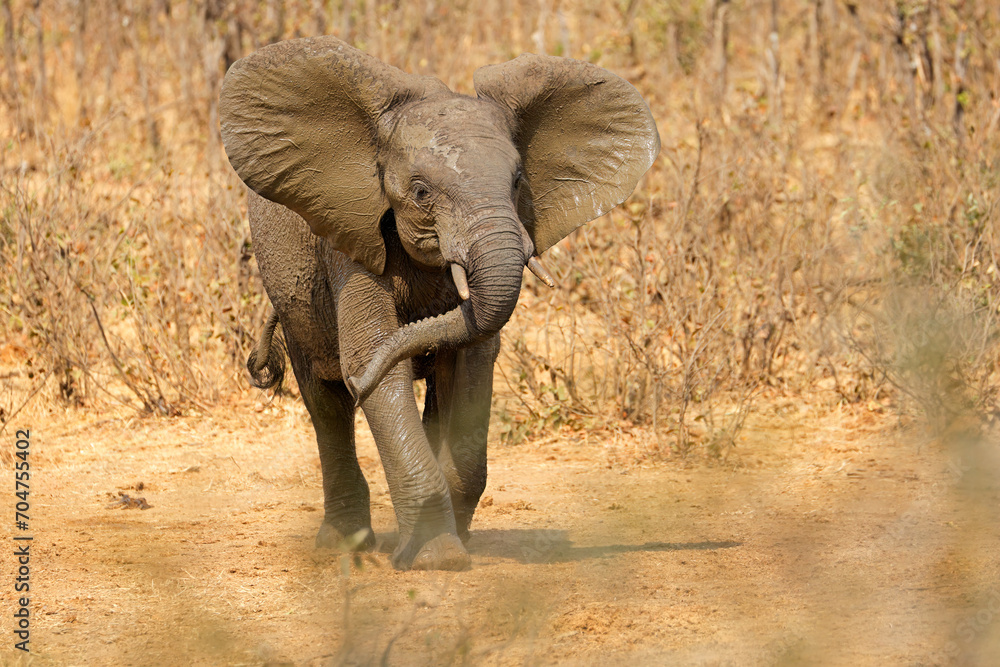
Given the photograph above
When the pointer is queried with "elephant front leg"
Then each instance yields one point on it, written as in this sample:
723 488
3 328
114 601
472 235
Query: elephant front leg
428 538
457 419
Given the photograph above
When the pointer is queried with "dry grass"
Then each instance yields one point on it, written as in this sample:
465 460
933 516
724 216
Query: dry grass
822 217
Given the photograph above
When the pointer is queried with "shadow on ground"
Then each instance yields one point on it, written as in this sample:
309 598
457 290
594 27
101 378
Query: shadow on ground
527 545
554 546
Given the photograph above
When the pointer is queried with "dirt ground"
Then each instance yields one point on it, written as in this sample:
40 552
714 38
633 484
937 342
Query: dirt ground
824 539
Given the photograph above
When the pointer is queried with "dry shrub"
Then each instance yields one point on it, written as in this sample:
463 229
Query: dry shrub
932 328
821 166
127 263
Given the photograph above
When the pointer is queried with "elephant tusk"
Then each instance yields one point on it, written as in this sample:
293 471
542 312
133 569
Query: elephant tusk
461 282
536 267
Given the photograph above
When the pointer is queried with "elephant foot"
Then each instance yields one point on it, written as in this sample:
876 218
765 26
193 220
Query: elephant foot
465 510
462 521
444 552
329 537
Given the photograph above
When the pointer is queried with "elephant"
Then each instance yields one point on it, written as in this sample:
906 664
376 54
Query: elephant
392 220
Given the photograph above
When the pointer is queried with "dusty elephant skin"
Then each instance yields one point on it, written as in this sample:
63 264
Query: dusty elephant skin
392 220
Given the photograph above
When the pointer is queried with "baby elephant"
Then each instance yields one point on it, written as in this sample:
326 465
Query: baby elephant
392 220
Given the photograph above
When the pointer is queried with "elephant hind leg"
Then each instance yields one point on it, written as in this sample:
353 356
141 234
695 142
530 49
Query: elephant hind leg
347 522
432 414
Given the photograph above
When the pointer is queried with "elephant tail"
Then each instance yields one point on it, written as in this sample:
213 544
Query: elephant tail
266 362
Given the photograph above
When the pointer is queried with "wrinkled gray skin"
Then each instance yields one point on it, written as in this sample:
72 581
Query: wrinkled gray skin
374 196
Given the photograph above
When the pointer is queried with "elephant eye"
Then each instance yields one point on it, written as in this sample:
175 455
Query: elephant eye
518 175
421 193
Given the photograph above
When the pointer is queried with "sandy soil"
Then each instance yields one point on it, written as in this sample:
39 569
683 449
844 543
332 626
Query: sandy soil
830 539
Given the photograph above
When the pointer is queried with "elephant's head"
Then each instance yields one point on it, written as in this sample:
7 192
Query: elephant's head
478 185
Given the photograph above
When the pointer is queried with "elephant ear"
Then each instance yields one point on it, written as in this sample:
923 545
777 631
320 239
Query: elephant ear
300 122
585 135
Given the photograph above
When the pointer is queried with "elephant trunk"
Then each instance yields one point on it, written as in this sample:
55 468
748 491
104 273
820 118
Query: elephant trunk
495 265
